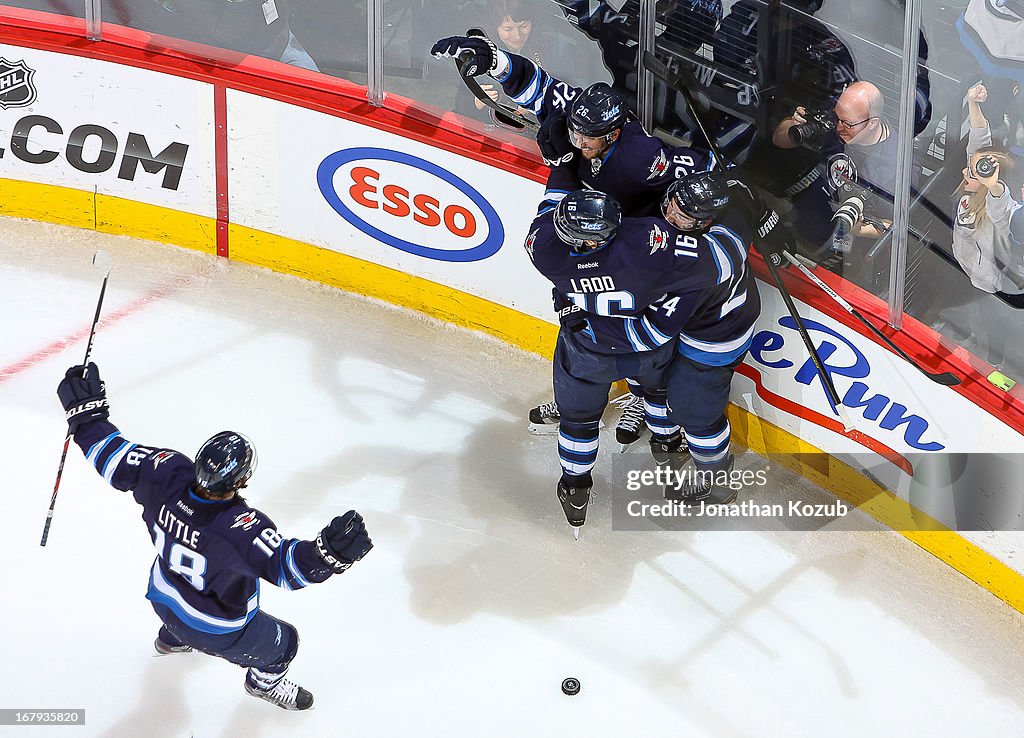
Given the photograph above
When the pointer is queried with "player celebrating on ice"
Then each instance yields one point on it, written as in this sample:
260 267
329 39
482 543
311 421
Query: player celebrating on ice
590 135
212 547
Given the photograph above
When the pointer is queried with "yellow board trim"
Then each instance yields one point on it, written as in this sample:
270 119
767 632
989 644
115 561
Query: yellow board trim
373 280
68 206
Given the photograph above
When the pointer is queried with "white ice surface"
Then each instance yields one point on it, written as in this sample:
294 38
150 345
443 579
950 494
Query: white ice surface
475 602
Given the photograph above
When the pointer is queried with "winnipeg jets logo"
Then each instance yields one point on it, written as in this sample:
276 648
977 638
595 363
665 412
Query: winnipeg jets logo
16 87
841 169
964 217
161 457
528 245
658 166
246 520
658 239
611 113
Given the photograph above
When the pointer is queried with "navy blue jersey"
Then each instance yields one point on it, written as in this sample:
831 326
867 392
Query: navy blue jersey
653 282
637 168
210 555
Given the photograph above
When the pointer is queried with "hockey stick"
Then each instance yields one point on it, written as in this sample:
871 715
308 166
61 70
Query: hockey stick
102 261
946 379
504 114
651 62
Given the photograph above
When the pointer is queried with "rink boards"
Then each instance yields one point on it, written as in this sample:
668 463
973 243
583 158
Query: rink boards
426 217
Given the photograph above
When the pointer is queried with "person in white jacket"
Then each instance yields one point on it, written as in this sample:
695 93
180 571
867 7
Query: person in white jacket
988 229
987 216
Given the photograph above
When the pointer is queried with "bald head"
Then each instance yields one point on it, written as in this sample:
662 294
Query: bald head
859 110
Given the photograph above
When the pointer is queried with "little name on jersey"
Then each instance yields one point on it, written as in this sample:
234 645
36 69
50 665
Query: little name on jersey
593 284
177 528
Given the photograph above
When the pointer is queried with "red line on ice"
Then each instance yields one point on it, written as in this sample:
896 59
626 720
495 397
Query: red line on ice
60 344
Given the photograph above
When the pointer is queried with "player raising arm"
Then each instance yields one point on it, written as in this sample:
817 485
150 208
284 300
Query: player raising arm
590 129
212 547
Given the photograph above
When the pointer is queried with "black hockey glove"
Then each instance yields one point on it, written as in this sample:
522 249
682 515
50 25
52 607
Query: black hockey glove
478 52
84 397
344 541
773 238
553 140
571 317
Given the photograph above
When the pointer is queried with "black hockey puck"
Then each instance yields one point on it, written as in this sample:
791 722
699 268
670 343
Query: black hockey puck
571 686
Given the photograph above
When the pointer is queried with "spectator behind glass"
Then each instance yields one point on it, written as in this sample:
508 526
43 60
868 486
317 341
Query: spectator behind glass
993 33
521 27
857 160
989 225
801 61
257 27
690 23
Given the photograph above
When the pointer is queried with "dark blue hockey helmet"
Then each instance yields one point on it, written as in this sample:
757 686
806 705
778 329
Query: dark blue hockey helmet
225 463
597 111
700 195
587 220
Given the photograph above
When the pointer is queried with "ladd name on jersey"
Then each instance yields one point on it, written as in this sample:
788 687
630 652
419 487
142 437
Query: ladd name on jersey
593 284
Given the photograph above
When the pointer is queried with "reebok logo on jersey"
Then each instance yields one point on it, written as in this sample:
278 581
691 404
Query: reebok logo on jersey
184 508
246 520
588 265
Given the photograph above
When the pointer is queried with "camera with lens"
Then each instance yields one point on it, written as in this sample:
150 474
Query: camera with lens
848 214
812 133
986 166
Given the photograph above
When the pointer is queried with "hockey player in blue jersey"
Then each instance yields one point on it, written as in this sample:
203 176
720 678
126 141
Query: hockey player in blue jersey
589 135
212 547
719 218
590 129
614 289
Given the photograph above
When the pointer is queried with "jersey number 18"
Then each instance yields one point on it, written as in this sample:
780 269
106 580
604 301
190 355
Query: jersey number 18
183 561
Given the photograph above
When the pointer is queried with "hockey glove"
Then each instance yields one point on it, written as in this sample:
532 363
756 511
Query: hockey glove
83 395
553 140
570 315
344 541
478 52
773 238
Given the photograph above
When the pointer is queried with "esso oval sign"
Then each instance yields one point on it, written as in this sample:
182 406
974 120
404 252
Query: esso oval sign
410 204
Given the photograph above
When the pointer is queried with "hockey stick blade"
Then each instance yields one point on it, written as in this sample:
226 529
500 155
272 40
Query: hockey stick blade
102 261
946 379
502 113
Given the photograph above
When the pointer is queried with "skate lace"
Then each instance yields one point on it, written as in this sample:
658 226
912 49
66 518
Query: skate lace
548 410
632 411
285 691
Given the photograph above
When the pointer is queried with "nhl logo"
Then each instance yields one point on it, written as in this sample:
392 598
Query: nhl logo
16 87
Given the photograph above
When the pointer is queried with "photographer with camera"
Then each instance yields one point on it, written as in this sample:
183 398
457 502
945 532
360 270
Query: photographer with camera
850 192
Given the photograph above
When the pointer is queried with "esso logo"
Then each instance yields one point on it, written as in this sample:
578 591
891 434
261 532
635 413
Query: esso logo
410 204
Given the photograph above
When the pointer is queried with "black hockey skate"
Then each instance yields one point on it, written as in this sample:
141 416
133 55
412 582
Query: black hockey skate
699 486
574 501
544 419
163 648
666 449
631 423
285 694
